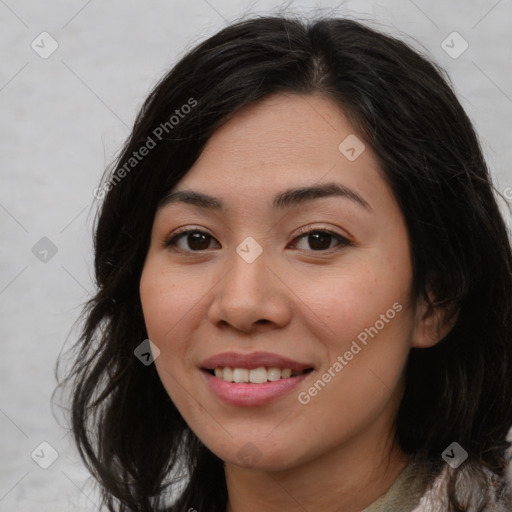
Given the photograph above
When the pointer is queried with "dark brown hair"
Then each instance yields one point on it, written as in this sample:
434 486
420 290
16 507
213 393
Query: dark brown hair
127 429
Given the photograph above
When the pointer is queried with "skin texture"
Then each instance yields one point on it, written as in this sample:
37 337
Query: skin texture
335 452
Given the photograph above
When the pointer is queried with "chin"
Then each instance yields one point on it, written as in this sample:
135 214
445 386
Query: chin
259 456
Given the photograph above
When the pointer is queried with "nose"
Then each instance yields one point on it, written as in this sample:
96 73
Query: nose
251 297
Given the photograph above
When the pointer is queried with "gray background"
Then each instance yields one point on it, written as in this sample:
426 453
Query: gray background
62 120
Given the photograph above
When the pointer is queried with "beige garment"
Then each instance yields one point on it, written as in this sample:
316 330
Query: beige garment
403 496
407 494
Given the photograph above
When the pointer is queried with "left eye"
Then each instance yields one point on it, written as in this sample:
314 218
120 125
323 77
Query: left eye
319 240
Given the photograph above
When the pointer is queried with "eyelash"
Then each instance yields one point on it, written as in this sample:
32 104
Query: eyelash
303 232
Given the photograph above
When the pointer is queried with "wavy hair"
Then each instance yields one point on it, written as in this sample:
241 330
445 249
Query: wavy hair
128 432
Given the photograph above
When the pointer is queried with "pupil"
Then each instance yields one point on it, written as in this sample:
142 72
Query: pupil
319 241
197 241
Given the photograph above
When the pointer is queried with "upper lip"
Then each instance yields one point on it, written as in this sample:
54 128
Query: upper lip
251 361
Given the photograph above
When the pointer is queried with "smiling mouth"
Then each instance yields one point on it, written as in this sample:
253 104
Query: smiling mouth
259 375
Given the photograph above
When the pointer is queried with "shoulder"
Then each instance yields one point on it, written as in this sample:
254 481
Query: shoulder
434 499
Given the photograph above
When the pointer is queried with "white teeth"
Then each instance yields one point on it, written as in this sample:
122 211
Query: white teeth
258 375
240 375
286 373
273 374
227 374
255 375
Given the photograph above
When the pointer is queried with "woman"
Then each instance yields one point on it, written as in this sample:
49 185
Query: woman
303 224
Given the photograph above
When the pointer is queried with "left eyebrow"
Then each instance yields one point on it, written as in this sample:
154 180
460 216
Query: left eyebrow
296 196
286 199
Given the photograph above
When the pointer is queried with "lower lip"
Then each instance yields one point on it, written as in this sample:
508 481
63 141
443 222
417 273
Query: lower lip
251 395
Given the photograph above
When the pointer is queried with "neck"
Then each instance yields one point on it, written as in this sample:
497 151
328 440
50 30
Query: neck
347 478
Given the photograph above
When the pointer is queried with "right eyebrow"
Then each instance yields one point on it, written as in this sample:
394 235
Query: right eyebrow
193 198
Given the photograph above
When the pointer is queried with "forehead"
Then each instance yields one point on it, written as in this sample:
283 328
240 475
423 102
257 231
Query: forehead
281 128
284 141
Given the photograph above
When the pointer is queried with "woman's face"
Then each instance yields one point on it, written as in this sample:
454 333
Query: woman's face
298 260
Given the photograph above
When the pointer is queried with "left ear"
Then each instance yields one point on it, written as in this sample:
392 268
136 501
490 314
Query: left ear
432 324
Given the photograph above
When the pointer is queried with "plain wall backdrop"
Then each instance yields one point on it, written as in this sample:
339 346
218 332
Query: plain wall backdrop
63 117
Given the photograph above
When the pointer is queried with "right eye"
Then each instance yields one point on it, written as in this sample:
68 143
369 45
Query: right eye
190 240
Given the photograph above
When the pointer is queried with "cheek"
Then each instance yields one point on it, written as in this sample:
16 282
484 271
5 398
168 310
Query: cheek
166 303
170 309
365 317
168 292
339 305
